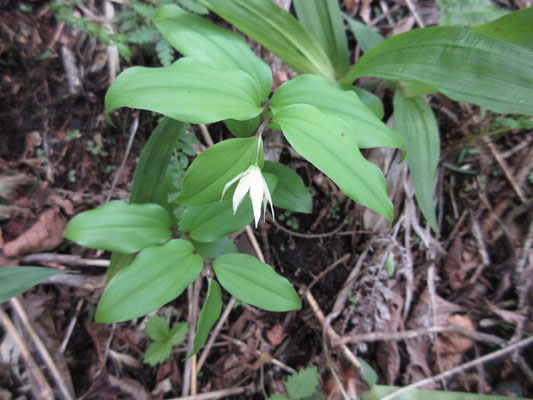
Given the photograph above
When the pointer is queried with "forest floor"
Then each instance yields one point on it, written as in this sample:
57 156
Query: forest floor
409 302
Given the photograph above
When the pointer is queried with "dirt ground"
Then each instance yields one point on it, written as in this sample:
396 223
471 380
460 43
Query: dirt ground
461 294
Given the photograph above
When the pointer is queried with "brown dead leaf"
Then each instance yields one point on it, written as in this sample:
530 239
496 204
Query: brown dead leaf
452 343
13 186
109 387
279 78
365 11
457 264
508 316
44 235
276 335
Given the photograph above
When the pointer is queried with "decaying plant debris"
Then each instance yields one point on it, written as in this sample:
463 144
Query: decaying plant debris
411 303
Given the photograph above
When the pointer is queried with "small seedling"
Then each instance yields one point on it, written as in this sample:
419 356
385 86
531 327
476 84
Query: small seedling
302 385
163 339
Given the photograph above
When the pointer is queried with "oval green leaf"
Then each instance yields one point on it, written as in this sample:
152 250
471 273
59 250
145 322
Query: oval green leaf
16 280
195 37
462 64
278 31
208 316
290 192
256 283
210 222
211 170
242 129
158 275
121 227
345 104
327 142
215 249
188 91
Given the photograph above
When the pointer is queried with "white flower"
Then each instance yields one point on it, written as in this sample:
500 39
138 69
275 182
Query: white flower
251 180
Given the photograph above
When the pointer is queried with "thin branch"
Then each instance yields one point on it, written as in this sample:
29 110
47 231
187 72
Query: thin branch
397 336
45 391
133 131
461 368
218 394
42 350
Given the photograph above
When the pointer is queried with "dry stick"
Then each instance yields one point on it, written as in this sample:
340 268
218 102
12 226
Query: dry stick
397 336
274 361
506 171
45 390
206 135
189 373
64 259
461 368
229 306
482 249
41 348
341 260
412 8
70 328
217 394
330 331
133 131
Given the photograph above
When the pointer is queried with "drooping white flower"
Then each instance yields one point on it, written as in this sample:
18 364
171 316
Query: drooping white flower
251 181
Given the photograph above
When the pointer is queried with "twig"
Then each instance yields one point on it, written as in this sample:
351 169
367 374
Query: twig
505 169
330 331
254 242
461 368
71 70
272 360
412 8
217 394
482 249
521 267
44 389
63 259
341 260
189 373
70 328
310 235
397 336
41 348
206 135
215 332
133 131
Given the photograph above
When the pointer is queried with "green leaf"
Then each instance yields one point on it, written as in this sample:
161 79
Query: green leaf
290 192
149 180
158 275
157 328
515 28
16 280
462 64
323 19
122 227
178 333
278 31
467 12
329 98
210 222
365 35
117 262
303 383
368 373
164 339
213 250
242 129
277 397
165 52
188 91
193 6
256 283
328 143
416 122
197 38
372 101
380 391
211 170
208 316
157 352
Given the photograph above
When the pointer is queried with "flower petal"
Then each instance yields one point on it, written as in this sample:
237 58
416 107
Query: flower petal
256 193
231 183
241 190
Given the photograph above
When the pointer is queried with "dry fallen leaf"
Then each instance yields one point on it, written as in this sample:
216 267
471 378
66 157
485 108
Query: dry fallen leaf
276 335
46 234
